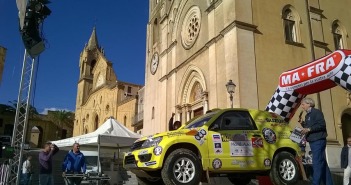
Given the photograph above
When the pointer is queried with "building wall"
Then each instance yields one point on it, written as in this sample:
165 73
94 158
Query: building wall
239 40
2 61
126 112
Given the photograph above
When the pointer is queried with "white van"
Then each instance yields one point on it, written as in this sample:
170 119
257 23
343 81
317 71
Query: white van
92 163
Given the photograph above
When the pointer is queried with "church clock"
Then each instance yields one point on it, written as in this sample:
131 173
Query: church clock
100 80
154 63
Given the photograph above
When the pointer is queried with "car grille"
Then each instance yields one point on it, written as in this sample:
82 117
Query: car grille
129 159
137 145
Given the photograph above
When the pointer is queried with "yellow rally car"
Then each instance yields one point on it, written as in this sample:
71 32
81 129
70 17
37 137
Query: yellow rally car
237 143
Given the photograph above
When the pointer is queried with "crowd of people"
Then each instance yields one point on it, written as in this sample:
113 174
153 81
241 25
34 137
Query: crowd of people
73 163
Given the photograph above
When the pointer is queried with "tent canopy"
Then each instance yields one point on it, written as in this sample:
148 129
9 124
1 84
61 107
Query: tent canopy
111 134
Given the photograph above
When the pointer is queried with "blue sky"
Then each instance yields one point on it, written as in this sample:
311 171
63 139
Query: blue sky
121 31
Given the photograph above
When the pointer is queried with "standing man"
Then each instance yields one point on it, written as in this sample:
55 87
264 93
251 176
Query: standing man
316 134
74 163
346 161
170 122
45 161
27 170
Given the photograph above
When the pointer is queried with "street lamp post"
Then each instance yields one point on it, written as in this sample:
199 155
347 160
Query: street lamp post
231 90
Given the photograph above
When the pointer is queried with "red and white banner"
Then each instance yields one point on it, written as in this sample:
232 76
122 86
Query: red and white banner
314 76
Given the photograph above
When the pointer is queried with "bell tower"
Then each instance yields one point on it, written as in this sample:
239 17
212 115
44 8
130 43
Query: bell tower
87 63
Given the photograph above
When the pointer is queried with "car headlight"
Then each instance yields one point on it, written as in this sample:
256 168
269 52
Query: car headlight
151 142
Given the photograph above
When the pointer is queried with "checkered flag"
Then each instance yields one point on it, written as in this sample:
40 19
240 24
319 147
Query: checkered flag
343 77
285 103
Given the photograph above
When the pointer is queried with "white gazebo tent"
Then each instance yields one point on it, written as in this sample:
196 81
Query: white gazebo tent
110 134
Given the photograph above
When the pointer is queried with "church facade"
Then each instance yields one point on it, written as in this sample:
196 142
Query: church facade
100 94
195 47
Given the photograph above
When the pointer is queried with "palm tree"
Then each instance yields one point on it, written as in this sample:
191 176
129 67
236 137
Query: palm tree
62 118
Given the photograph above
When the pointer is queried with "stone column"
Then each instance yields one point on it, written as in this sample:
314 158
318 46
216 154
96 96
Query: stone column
205 101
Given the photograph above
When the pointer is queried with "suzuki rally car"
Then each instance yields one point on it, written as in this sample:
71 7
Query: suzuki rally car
237 143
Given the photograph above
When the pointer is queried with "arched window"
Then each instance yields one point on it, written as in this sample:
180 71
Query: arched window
125 120
291 24
153 113
96 122
155 31
92 66
338 35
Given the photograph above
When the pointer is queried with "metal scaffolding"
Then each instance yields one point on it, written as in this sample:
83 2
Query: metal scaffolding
21 119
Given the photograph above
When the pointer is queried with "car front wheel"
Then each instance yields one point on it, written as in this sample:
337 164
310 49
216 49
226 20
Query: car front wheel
181 167
284 169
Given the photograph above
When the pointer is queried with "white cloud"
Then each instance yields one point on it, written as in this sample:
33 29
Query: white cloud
45 111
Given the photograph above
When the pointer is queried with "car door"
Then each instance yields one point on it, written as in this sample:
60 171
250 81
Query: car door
235 143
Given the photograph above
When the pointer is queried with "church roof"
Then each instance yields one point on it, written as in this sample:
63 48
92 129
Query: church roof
93 41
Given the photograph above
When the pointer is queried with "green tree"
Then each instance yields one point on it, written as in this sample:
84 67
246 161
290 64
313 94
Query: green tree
62 118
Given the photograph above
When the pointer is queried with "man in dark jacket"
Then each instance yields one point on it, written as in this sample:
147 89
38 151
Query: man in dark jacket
316 134
345 158
45 161
74 163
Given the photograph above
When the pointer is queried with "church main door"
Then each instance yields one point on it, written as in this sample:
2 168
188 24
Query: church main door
199 112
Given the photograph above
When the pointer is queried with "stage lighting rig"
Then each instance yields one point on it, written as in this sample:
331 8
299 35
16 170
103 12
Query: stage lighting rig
36 12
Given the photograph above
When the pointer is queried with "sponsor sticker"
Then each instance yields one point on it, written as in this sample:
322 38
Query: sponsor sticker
234 137
158 150
257 142
269 135
218 145
241 148
218 148
216 163
267 162
199 136
150 163
174 134
216 137
143 152
243 163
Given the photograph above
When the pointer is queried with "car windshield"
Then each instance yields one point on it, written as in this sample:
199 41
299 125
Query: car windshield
199 122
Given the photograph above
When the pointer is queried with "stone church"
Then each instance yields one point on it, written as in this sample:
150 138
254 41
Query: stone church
195 47
100 94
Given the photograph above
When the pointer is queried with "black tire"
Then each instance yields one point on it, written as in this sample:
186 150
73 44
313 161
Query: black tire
284 170
190 168
239 181
149 181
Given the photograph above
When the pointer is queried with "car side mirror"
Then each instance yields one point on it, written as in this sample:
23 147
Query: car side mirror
214 127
